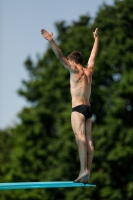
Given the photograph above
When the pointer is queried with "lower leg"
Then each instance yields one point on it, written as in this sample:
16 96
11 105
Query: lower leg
84 174
82 148
90 153
90 148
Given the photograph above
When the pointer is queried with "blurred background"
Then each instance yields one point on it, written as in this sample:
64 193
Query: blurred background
36 139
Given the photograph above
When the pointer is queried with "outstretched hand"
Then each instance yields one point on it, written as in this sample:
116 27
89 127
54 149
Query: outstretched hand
95 34
47 35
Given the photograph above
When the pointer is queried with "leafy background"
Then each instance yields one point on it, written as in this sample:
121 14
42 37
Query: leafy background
42 146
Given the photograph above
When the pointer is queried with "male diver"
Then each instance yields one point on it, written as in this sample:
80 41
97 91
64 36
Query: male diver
80 88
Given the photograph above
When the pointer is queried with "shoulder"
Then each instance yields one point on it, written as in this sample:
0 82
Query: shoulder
72 68
88 71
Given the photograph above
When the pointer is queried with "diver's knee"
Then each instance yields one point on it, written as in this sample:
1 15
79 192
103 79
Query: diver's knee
81 136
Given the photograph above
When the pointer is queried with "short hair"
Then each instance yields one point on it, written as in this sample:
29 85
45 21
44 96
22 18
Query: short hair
76 56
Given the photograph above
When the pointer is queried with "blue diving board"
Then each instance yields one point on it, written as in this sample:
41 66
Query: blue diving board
33 185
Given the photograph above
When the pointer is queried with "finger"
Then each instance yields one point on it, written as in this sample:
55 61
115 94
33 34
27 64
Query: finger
96 30
43 30
51 33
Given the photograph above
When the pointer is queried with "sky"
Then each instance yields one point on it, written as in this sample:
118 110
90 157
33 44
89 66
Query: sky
20 38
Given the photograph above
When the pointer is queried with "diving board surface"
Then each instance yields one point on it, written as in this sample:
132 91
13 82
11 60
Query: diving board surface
32 185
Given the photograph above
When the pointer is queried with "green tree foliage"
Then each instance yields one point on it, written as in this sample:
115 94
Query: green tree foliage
6 146
5 152
116 129
43 143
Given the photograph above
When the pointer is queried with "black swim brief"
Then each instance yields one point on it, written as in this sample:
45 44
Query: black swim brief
83 109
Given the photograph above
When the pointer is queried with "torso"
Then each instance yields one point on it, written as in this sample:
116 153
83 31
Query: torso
80 86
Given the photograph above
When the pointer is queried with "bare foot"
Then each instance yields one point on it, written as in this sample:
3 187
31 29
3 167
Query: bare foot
83 178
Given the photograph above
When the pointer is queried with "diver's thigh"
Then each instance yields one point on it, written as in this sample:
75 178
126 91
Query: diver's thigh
78 122
88 128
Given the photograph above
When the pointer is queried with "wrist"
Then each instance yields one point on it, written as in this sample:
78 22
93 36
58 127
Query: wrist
96 37
51 40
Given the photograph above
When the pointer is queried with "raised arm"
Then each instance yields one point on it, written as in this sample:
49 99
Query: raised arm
58 52
91 60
